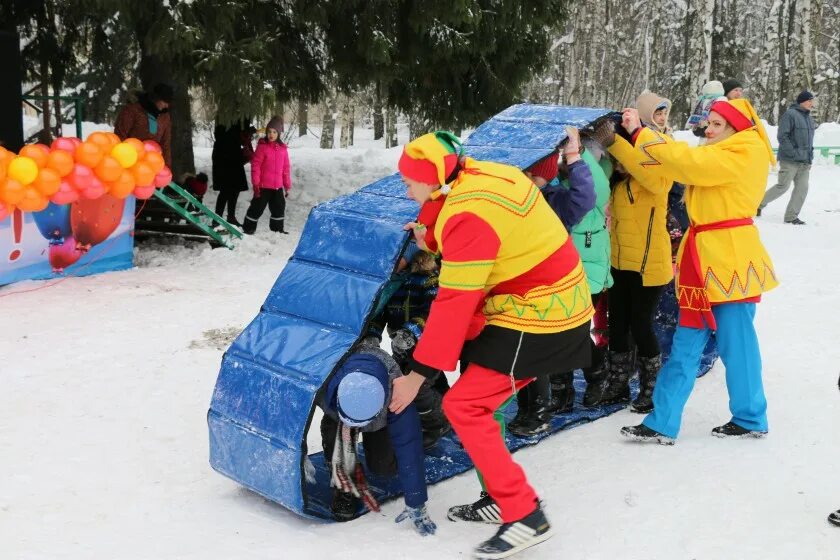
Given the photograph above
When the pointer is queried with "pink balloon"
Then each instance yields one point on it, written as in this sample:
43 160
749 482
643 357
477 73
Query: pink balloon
81 177
95 190
64 255
65 195
4 211
65 144
143 193
163 178
152 146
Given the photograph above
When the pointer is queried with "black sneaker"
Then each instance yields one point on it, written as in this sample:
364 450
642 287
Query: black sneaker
834 518
344 506
795 221
733 430
644 434
484 510
514 537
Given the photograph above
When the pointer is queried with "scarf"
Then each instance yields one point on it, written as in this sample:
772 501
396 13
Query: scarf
695 307
345 467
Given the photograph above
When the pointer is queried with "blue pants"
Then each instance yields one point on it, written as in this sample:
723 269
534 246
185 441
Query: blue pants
739 352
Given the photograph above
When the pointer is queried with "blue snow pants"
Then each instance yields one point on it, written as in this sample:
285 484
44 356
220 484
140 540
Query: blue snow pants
738 345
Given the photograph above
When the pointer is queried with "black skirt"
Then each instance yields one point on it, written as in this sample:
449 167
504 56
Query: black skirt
528 354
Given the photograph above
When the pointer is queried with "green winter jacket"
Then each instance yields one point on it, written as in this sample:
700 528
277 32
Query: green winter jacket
591 236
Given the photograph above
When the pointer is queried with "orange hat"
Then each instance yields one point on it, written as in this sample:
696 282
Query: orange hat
430 158
742 116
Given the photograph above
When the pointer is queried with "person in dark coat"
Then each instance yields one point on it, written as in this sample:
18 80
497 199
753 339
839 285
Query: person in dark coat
148 119
796 153
356 401
232 149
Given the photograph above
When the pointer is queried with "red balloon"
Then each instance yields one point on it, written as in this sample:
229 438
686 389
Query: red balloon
64 255
81 177
94 220
144 193
96 189
152 146
163 178
65 195
64 144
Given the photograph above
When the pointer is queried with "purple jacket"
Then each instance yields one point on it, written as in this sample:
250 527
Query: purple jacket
572 204
270 168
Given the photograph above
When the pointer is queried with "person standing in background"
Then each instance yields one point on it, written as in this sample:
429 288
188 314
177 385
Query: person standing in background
232 150
148 119
733 89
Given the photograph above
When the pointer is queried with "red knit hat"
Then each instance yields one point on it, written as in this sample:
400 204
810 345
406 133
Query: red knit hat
546 167
732 115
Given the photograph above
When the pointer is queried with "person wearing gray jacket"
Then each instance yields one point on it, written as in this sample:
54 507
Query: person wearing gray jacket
796 153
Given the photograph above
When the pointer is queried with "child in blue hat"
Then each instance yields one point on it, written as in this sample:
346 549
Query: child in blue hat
356 401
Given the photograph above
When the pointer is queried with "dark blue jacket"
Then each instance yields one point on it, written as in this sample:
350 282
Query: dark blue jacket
572 204
796 135
403 428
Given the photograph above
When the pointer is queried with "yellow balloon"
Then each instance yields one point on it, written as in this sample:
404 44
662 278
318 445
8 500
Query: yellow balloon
125 154
22 169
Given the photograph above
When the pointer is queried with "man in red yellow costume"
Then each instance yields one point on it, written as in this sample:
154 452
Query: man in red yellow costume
722 266
513 304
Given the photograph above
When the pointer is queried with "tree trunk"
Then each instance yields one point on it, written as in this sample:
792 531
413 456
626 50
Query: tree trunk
153 70
328 122
303 118
378 121
391 139
346 119
44 69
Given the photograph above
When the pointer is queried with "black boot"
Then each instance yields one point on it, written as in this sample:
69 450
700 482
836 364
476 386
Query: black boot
233 221
616 388
484 510
733 430
344 505
511 538
595 376
648 372
432 420
643 434
562 392
523 404
537 418
834 518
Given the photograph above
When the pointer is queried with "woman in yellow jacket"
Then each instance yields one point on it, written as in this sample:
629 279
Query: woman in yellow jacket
722 266
641 265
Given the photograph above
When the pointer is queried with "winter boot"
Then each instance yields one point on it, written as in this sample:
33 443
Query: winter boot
616 388
595 376
643 434
733 430
538 412
432 420
484 510
834 518
523 405
344 505
562 392
233 221
648 371
514 537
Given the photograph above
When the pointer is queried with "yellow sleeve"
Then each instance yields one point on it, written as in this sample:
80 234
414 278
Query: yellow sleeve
701 166
651 178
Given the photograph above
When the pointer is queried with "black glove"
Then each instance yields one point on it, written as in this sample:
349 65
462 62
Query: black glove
699 131
403 342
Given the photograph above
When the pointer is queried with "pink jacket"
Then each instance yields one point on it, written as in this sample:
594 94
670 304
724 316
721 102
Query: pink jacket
270 168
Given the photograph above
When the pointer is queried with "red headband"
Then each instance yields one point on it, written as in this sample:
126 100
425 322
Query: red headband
424 170
732 115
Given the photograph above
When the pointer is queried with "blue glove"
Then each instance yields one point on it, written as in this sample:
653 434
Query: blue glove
422 523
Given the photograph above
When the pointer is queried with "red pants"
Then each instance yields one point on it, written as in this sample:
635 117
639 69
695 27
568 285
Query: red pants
469 405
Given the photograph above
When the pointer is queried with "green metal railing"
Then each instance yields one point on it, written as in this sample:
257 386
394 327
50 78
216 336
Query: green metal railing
78 104
824 151
199 215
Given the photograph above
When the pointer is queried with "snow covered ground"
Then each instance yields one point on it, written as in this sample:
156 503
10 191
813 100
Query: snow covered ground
105 382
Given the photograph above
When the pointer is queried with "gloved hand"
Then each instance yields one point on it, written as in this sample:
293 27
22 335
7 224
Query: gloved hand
256 191
403 342
604 133
422 522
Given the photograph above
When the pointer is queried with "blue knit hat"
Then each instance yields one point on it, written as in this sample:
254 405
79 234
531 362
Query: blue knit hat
360 398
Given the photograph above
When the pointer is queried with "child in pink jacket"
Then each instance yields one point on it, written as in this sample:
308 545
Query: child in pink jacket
271 178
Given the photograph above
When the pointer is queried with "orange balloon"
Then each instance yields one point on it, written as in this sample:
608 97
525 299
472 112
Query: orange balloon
155 161
47 182
89 154
108 169
101 139
11 191
113 139
60 162
33 201
143 174
37 153
137 145
2 171
123 186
